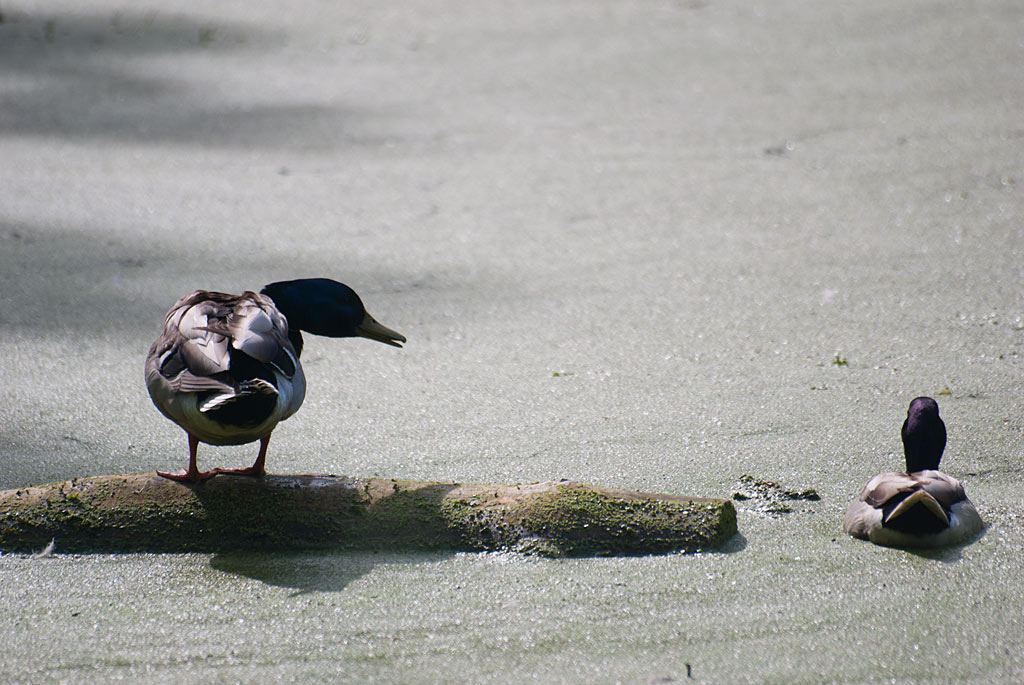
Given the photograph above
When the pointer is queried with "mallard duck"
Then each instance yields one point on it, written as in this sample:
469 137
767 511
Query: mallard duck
921 507
226 367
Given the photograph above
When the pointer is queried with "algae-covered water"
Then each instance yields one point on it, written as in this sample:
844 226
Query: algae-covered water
653 246
781 613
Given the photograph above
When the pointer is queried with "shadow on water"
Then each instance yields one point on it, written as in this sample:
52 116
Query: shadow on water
148 77
87 278
737 543
79 279
307 572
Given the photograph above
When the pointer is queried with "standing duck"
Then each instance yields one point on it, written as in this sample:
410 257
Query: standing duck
921 507
226 367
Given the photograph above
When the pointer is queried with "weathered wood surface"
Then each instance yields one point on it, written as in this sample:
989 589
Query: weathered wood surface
146 513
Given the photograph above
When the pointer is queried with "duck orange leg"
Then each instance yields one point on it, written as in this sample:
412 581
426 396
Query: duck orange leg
192 474
257 469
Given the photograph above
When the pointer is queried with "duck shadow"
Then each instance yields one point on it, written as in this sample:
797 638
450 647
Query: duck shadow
306 572
946 555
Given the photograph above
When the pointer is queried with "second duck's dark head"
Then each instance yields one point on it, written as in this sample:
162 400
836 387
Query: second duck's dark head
325 307
924 435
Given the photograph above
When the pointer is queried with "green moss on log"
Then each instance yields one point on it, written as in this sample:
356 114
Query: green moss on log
145 513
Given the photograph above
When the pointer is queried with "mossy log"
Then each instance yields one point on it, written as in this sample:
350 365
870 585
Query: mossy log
146 513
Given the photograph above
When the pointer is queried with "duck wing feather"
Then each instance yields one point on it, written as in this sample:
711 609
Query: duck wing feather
194 352
946 489
885 486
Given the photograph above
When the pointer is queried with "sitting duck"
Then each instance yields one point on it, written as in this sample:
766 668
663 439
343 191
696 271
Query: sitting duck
921 507
226 367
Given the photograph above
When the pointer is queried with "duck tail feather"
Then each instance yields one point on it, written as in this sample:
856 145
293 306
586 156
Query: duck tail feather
256 386
922 497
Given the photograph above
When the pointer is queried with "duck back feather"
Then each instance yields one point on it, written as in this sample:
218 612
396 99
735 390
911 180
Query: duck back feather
223 367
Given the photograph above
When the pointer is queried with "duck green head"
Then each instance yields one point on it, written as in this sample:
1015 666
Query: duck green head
322 306
924 435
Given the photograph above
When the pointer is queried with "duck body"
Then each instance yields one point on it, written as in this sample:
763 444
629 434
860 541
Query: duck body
922 509
226 367
919 507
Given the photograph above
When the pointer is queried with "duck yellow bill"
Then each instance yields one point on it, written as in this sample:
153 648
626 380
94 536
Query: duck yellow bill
369 328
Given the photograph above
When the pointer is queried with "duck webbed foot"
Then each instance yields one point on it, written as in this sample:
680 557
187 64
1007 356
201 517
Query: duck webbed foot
192 474
248 471
188 475
257 469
